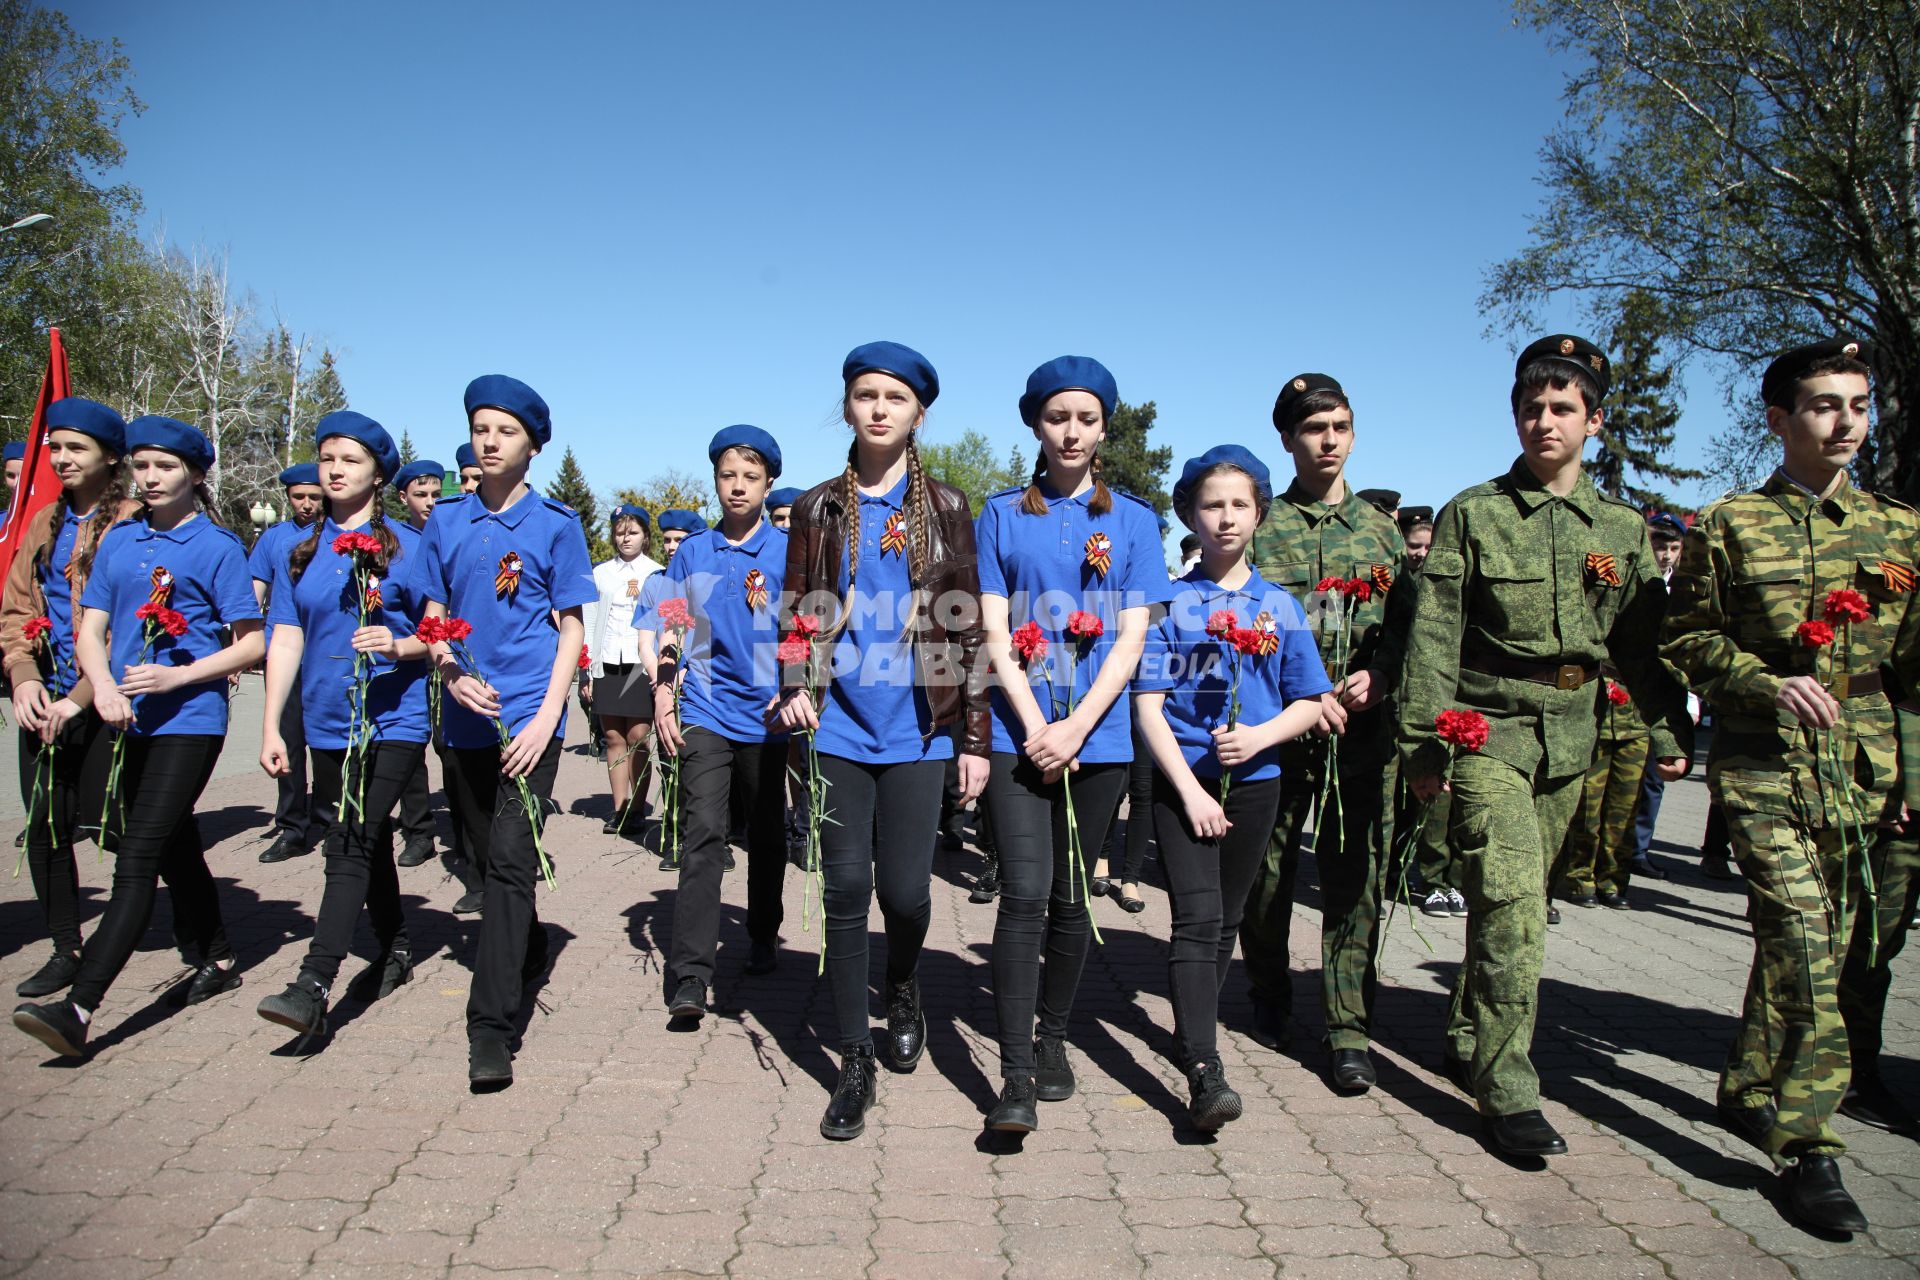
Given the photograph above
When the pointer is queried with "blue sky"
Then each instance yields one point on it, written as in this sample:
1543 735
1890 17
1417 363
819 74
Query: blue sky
669 218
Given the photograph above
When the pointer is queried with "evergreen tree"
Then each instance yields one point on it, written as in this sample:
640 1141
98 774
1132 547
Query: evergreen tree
571 487
1637 434
1128 464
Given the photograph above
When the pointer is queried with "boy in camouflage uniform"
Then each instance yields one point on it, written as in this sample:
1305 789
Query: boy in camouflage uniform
1533 581
1756 567
1594 862
1319 528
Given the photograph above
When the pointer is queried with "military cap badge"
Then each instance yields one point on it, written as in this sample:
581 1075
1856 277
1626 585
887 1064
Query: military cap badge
1566 346
1850 350
756 590
506 579
1599 363
894 537
1100 553
1602 568
162 582
1299 384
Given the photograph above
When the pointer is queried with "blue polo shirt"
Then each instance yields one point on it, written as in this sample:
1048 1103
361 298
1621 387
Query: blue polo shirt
733 593
323 605
210 586
459 563
1048 567
272 547
58 593
1195 670
876 712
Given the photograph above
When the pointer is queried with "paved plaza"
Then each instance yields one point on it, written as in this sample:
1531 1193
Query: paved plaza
205 1142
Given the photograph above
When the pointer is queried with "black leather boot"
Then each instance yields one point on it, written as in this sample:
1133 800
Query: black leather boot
846 1115
1015 1112
1214 1103
1819 1199
906 1025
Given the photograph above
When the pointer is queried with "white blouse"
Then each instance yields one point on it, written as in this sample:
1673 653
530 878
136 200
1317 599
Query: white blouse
610 633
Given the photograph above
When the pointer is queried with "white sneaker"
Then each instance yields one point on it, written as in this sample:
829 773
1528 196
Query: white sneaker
1436 904
1456 905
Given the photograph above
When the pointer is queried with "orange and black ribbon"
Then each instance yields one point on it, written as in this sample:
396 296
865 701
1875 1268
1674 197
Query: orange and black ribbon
756 590
894 537
1602 567
162 585
1100 553
1382 578
1899 577
506 580
373 594
1269 632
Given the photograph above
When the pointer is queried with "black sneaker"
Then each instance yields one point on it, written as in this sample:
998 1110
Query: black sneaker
396 970
416 853
846 1115
301 1007
489 1066
1052 1073
208 981
1015 1112
906 1025
55 1025
1214 1103
469 903
56 974
689 1000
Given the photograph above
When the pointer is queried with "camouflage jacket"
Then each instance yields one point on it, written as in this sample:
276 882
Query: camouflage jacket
1755 567
1520 574
1305 540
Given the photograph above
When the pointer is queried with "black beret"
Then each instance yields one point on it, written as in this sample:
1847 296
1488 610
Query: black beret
1298 387
1411 516
1567 349
1776 384
1386 500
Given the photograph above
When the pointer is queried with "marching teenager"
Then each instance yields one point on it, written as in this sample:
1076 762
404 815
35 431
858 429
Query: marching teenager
730 579
675 526
467 463
418 484
619 688
299 821
1061 550
881 558
52 700
1230 673
514 565
163 684
780 506
364 686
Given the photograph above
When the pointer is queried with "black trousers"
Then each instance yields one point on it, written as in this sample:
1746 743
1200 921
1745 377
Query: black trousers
500 844
67 806
359 855
879 844
1043 906
294 811
416 803
160 782
1127 866
719 778
1207 884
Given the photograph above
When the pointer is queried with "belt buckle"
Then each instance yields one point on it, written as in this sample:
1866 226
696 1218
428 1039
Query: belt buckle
1842 685
1571 677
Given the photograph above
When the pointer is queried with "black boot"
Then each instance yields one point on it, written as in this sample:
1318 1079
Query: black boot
56 974
489 1065
1819 1199
301 1007
689 1000
1524 1133
987 887
906 1025
396 970
1214 1103
1352 1070
210 980
1053 1074
1015 1112
846 1115
1751 1123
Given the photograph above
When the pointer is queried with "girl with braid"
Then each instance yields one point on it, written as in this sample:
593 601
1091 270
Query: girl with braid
320 591
881 559
51 699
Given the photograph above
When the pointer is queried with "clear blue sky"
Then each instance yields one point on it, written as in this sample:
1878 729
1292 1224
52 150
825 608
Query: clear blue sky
668 218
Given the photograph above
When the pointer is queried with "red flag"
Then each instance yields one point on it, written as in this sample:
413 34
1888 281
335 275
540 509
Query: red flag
39 486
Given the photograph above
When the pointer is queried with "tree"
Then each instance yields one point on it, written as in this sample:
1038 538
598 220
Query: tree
1637 434
967 464
670 489
1754 166
1127 463
570 486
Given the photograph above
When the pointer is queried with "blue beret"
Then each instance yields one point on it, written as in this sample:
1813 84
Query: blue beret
416 469
1668 523
746 437
465 457
1164 526
510 395
16 451
629 509
360 428
88 417
1067 373
176 437
300 473
903 363
1228 455
682 519
784 497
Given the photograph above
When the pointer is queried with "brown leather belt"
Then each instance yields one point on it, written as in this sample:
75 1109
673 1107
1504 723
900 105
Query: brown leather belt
1571 676
1857 684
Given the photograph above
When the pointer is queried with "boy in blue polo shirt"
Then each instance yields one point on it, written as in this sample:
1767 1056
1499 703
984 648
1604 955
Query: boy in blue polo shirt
298 823
730 578
510 563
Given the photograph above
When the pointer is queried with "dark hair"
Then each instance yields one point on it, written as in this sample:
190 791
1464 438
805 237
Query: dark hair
302 555
746 451
86 541
1319 400
1559 375
1189 545
1183 505
1034 503
1787 396
202 497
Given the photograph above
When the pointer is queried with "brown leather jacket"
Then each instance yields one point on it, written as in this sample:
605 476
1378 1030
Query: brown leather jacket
946 626
23 600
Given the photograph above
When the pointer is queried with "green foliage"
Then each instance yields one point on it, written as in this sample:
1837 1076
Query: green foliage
1126 461
968 465
1750 165
668 490
1637 434
570 486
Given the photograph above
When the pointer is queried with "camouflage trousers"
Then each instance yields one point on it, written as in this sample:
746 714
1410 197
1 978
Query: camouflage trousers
1352 855
1868 972
1505 826
1791 1048
1599 846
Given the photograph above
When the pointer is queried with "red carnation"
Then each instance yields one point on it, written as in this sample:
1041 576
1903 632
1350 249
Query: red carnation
1221 624
37 627
1466 729
1030 642
1331 584
458 629
794 651
673 614
1846 606
1359 588
806 624
1248 640
1617 695
586 658
351 544
432 630
1814 635
148 610
1085 626
174 622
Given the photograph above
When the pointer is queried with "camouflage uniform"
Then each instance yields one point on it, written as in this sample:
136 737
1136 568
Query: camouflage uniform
1599 845
1303 541
1755 567
1896 876
1523 587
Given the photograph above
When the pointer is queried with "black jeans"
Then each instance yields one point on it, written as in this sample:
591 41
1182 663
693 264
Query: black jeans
1207 884
416 803
294 812
1139 824
160 781
1042 903
67 807
719 776
500 842
359 855
879 844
